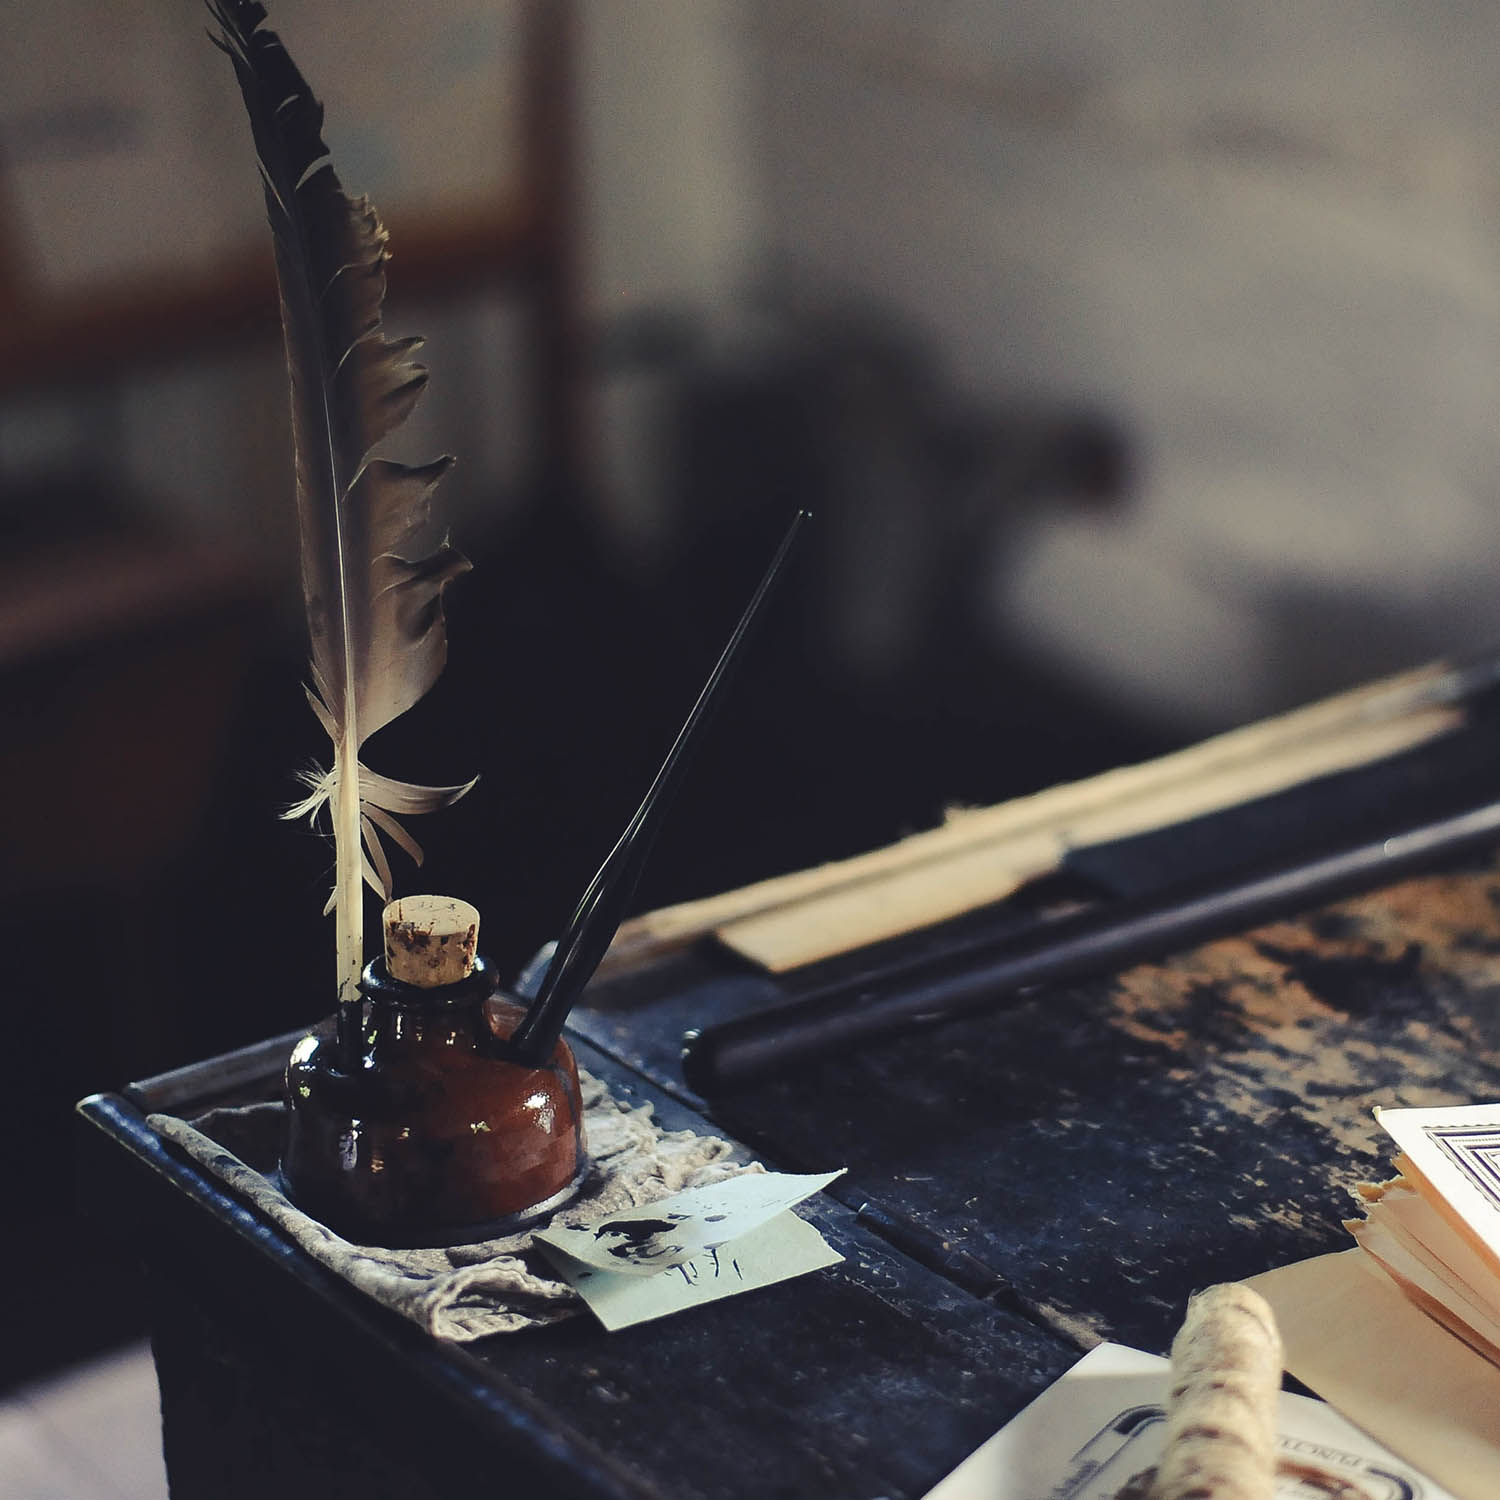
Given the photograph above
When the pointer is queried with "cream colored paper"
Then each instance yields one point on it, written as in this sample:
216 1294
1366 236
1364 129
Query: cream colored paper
778 1250
1103 1422
1349 729
903 901
1421 1254
1354 1338
962 878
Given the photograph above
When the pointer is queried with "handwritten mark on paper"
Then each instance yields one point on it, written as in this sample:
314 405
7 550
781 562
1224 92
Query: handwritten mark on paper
645 1241
699 1246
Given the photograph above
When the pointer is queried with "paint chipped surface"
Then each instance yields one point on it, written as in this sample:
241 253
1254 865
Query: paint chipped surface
1107 1148
1388 998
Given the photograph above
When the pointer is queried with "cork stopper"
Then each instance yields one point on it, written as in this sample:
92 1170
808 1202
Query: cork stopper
430 940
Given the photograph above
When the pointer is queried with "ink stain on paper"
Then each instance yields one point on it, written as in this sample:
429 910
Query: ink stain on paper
640 1239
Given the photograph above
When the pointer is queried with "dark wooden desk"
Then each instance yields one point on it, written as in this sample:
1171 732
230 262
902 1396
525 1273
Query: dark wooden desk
872 1378
1067 1168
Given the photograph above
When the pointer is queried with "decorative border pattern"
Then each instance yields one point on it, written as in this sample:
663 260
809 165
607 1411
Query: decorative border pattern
1474 1151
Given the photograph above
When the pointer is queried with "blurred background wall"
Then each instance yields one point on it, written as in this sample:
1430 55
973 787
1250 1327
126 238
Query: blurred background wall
1139 361
1261 237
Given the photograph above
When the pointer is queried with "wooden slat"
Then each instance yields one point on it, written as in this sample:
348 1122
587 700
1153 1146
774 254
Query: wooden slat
975 875
155 320
1346 730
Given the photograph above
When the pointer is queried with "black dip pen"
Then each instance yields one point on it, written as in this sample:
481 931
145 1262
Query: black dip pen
1096 941
593 926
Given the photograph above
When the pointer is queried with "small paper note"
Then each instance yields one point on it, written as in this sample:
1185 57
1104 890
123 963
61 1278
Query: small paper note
777 1250
647 1241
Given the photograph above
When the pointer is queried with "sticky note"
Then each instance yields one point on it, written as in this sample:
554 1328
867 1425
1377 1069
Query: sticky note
695 1247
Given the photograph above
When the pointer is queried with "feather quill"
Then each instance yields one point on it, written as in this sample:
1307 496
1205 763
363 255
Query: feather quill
374 601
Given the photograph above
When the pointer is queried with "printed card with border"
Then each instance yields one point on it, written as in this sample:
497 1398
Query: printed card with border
1103 1423
1453 1156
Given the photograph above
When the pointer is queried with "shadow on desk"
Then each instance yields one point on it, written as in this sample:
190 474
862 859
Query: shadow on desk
794 774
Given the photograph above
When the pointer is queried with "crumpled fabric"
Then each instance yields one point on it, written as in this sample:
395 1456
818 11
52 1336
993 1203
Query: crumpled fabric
465 1291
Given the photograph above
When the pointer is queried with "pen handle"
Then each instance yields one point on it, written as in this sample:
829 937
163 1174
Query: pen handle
598 915
781 1037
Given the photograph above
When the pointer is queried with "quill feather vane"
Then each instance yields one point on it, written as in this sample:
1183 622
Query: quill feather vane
374 601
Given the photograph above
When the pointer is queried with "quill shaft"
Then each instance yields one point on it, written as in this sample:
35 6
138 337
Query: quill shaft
593 925
348 874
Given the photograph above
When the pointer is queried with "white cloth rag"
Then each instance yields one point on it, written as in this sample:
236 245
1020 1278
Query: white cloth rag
465 1291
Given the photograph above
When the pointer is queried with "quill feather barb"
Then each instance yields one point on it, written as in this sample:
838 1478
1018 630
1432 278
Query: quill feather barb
374 600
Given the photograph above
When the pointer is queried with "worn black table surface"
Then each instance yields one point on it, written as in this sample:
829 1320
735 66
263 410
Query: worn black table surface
871 1378
1067 1168
1103 1148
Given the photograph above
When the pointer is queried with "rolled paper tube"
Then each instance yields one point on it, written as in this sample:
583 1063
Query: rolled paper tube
430 940
1220 1441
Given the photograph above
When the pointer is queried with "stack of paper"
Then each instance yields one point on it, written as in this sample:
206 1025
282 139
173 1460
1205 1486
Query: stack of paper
1435 1229
1403 1334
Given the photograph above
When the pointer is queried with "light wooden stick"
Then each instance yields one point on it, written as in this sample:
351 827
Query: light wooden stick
1349 729
1221 1415
972 876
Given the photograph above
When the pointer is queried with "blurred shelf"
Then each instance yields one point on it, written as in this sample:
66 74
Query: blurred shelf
168 316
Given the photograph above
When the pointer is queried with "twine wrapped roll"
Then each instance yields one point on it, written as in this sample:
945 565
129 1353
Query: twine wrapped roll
1221 1416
